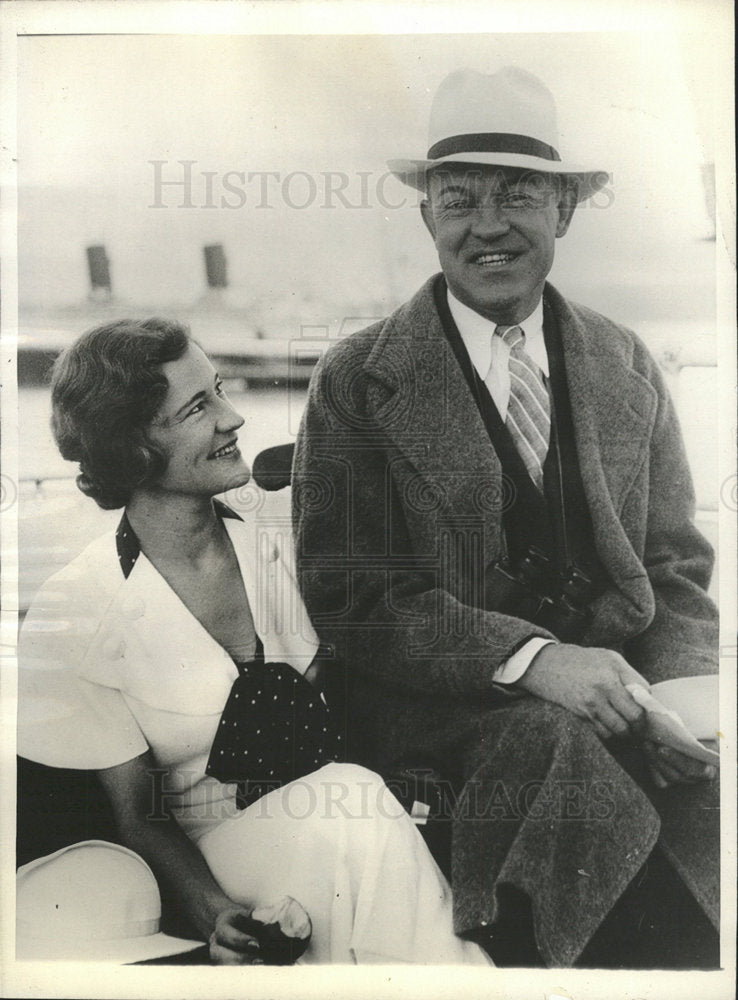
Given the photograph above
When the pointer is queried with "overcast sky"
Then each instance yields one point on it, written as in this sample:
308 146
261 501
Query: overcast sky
94 111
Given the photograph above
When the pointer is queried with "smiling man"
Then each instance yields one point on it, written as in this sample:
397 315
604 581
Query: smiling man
494 230
494 527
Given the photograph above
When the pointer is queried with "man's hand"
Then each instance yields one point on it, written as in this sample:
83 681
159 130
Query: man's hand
230 944
590 682
667 766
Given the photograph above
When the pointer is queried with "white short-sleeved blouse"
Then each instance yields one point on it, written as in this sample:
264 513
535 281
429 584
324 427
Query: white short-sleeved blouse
112 666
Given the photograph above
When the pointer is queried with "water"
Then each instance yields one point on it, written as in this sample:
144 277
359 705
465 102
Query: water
56 521
272 417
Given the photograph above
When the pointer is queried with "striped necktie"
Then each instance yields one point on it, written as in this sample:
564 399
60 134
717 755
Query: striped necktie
529 408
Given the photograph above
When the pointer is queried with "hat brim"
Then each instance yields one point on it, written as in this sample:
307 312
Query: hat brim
121 951
413 172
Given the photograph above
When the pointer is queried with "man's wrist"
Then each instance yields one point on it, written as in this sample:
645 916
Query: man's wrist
516 666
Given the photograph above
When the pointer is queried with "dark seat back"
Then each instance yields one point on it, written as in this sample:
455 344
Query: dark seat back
272 467
57 807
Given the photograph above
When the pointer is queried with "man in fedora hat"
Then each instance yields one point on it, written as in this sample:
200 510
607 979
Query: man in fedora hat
493 518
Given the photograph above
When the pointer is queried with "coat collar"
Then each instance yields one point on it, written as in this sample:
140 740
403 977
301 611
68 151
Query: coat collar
426 394
426 410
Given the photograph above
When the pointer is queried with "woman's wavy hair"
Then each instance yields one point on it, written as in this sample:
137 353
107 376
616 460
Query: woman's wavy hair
105 391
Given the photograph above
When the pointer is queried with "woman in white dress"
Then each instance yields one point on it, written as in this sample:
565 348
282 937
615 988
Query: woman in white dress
131 658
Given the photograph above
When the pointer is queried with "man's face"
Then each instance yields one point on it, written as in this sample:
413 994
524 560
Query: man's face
494 230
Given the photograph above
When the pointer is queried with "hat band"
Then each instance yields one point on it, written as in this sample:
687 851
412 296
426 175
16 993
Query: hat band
99 931
492 142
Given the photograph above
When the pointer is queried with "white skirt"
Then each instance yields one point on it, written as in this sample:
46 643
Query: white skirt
340 843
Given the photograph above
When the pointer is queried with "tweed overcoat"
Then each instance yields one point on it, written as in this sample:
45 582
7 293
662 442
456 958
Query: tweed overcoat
398 500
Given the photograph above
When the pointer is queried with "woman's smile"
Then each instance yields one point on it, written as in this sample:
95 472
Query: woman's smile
226 451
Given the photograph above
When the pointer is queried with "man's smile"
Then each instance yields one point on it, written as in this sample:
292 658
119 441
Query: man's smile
493 258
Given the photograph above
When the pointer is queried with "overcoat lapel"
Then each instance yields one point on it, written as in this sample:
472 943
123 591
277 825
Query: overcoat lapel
613 409
613 413
427 411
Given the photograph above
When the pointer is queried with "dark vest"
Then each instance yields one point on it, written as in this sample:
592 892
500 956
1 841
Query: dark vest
558 522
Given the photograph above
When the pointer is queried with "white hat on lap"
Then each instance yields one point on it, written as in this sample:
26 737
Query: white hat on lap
92 901
506 119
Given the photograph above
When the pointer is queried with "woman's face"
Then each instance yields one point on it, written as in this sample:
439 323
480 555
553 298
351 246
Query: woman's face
196 430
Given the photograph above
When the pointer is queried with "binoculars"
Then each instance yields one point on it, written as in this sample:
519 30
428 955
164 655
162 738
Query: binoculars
539 593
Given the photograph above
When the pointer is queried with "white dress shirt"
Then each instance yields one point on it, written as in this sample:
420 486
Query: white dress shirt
490 356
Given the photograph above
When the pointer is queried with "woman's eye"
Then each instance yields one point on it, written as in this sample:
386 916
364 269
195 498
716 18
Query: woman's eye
219 390
195 409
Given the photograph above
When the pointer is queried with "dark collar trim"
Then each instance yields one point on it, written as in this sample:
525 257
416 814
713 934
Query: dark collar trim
223 510
129 547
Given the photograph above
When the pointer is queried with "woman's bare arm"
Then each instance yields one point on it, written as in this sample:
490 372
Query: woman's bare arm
147 827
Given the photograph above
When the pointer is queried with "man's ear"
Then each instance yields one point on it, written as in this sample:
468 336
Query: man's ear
427 212
566 207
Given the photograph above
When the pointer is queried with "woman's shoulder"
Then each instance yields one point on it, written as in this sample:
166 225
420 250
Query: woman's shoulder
86 583
98 561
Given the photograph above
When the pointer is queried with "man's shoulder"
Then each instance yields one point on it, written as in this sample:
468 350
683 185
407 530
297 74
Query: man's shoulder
356 346
601 334
414 315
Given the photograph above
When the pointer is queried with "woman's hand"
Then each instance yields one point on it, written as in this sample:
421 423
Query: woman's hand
669 767
590 682
231 943
271 935
283 931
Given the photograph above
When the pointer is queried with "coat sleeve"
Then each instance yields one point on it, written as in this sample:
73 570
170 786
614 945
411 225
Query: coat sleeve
682 637
65 720
369 594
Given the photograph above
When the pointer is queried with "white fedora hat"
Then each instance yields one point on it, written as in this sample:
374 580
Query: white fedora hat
92 901
506 119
